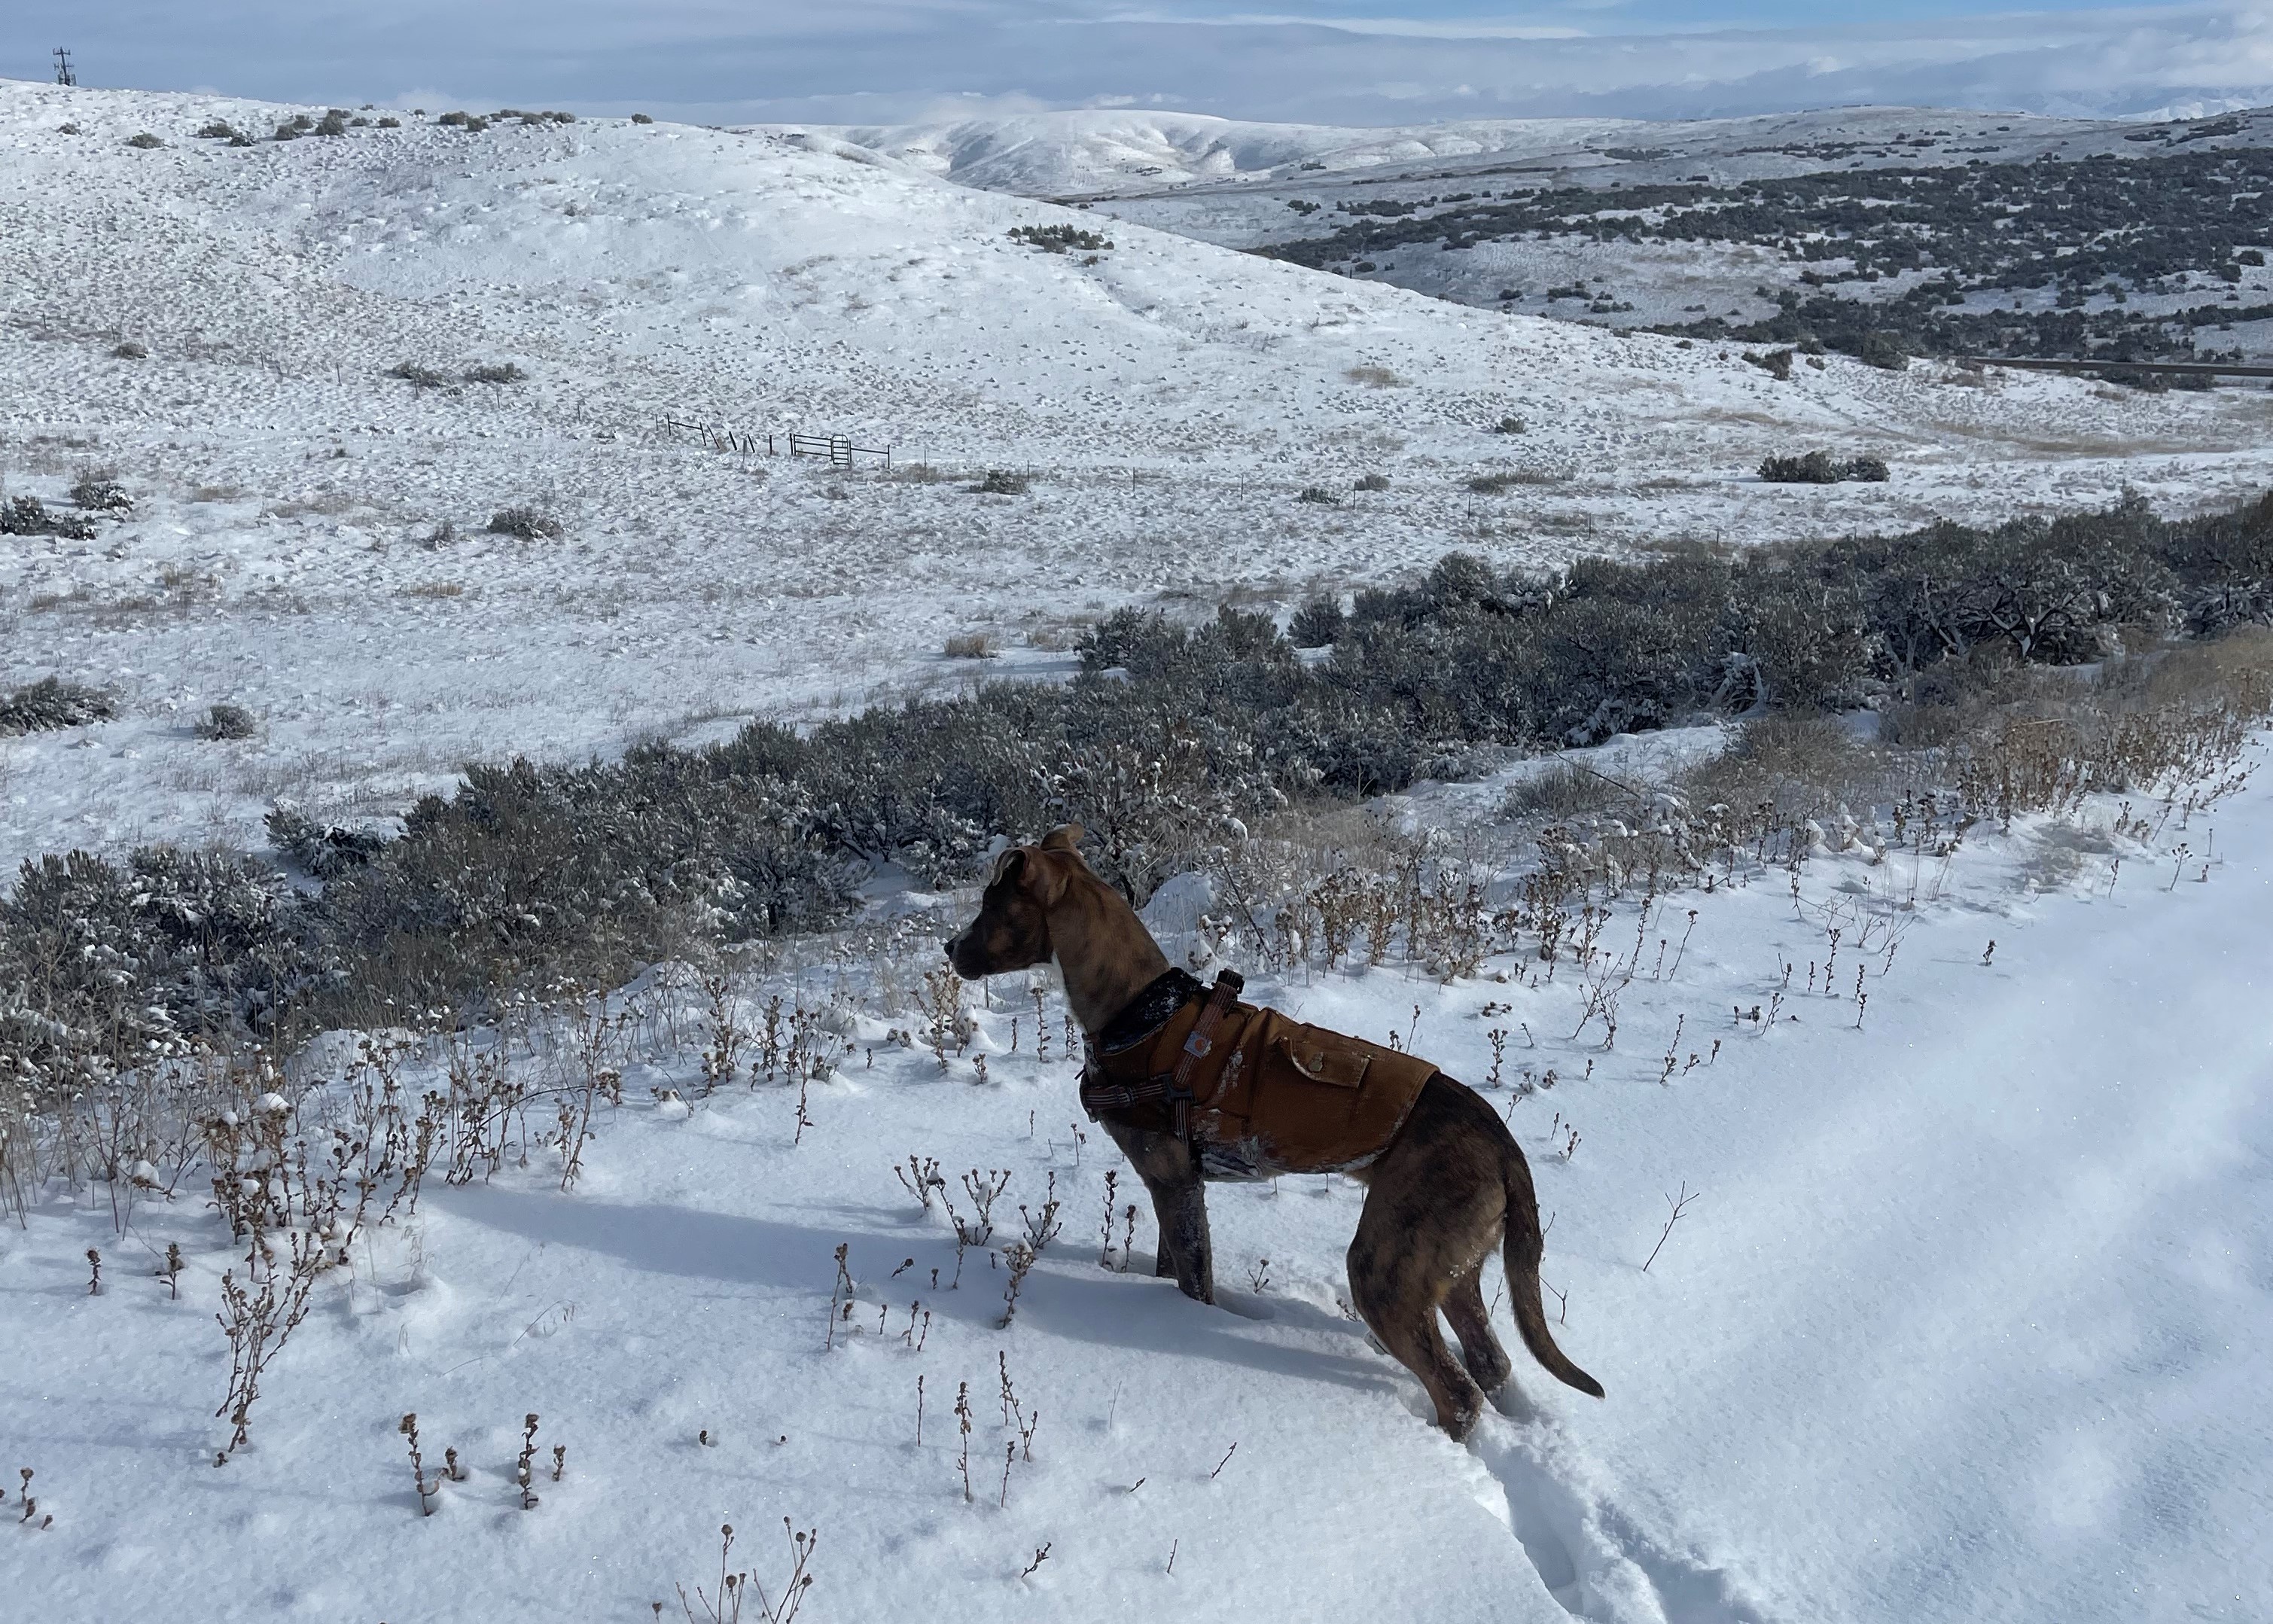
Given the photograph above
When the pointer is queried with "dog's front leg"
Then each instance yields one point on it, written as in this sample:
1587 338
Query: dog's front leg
1172 1175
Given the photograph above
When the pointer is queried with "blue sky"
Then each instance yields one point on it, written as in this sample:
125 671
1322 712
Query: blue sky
1370 61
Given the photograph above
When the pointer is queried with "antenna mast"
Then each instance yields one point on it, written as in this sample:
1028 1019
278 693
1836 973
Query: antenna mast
63 74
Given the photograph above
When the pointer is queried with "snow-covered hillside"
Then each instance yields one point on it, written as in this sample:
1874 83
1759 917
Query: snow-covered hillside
1959 1324
1171 399
1052 154
1321 195
1914 1215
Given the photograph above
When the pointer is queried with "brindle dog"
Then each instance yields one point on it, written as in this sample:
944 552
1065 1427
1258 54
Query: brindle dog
1451 1185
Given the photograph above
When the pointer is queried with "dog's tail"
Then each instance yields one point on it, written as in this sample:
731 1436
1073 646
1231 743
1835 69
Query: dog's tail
1525 1247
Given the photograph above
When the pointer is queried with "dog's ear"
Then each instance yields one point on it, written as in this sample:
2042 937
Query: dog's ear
1064 838
1006 866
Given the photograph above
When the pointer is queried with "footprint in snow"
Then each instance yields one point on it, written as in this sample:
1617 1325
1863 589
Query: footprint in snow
1593 1560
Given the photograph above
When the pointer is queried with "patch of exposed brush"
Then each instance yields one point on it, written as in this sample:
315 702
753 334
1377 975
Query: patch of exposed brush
1821 467
523 524
28 515
51 705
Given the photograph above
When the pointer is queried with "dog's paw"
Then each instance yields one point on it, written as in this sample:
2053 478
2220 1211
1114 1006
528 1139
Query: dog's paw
1511 1402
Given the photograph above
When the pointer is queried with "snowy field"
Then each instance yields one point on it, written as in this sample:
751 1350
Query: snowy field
1171 400
1959 1324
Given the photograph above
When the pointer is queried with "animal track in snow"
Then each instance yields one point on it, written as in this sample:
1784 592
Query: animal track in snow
1594 1561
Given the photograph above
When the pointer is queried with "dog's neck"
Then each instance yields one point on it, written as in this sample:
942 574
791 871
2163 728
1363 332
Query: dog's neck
1103 949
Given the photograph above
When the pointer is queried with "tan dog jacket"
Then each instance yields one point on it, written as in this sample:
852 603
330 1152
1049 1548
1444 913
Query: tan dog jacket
1269 1096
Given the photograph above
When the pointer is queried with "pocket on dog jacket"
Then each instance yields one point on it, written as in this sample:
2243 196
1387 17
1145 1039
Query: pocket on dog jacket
1272 1094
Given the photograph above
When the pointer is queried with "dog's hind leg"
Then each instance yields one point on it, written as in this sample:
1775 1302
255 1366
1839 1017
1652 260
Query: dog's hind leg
1479 1350
1396 1286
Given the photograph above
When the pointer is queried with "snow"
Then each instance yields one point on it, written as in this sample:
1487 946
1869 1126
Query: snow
1172 399
1051 154
1965 1321
1249 186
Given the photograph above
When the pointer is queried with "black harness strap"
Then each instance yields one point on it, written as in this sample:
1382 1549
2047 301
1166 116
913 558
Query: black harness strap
1170 1088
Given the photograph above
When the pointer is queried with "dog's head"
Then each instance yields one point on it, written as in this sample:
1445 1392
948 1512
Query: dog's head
1012 931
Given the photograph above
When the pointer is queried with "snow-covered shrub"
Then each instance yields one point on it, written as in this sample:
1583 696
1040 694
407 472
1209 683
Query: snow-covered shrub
1319 496
641 119
1510 425
130 350
28 515
322 851
1373 482
523 523
104 963
1775 363
1821 467
52 703
145 141
972 645
418 375
218 129
1877 348
1809 467
97 491
1000 482
333 122
1317 623
499 372
1059 238
1173 735
226 721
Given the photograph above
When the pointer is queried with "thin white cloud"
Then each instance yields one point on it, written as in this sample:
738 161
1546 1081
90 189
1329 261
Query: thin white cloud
868 61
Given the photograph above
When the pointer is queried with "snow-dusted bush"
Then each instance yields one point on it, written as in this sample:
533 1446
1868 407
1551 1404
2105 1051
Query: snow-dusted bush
323 851
226 721
145 141
51 704
28 515
106 963
1373 482
1000 482
1318 496
1821 467
418 375
1317 623
1809 467
523 523
1172 734
97 491
501 371
1059 238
